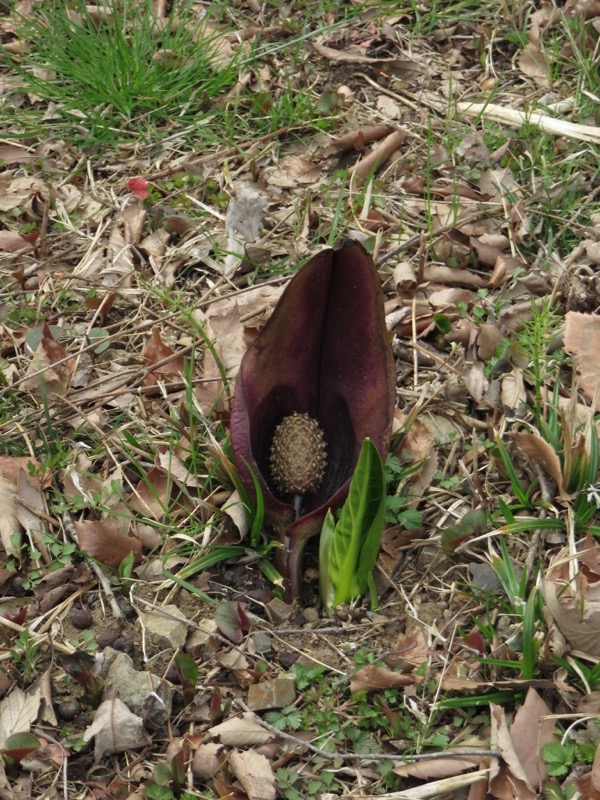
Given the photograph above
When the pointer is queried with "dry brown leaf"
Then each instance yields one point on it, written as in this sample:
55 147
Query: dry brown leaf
513 390
31 510
532 63
106 543
10 531
577 618
373 678
476 382
404 277
228 791
12 241
242 731
488 339
54 586
153 493
11 466
18 710
444 768
531 729
543 454
9 154
115 729
224 325
15 192
448 298
453 276
488 247
583 8
207 760
378 155
118 267
355 55
589 704
157 351
511 781
541 19
350 56
134 216
582 341
589 557
410 650
254 772
50 369
504 268
497 184
234 508
294 170
243 224
388 107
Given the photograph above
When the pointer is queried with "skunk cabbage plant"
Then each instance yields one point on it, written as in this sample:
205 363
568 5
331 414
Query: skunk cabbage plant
317 380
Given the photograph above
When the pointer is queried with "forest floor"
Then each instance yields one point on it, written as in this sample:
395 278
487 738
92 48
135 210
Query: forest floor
166 168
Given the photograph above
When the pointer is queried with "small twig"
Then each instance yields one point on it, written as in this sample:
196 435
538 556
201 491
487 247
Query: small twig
534 545
472 753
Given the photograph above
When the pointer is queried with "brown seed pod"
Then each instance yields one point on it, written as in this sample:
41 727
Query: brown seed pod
298 455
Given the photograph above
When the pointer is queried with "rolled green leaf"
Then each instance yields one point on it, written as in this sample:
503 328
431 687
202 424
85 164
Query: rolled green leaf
349 552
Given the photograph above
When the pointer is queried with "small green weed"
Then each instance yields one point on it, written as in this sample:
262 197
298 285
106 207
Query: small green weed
294 786
25 655
86 642
397 511
559 758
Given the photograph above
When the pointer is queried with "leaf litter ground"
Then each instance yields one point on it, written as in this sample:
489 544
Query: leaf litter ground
139 257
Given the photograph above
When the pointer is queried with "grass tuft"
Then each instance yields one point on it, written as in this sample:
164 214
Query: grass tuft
116 74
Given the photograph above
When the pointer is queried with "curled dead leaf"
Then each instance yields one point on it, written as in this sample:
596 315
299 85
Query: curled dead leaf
543 454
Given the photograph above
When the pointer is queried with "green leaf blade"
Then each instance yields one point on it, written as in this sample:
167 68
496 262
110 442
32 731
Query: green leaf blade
350 551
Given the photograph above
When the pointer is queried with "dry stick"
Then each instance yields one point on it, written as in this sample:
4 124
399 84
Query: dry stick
399 97
534 545
404 760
